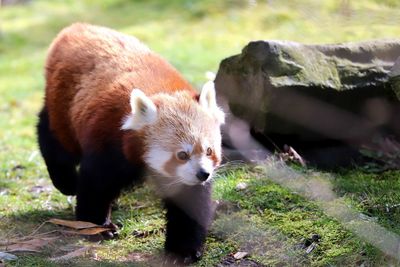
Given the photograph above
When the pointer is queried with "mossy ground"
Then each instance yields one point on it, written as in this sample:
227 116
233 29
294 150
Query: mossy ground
272 222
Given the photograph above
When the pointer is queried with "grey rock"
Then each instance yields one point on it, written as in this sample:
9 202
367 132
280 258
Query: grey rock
326 101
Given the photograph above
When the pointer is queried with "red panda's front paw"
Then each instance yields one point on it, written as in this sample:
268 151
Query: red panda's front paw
182 259
112 226
112 233
193 257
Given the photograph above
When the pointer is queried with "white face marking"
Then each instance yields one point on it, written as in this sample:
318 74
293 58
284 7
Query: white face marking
156 157
188 148
207 164
187 172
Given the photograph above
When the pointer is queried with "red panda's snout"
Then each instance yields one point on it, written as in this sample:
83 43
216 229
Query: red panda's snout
181 134
202 175
178 171
196 170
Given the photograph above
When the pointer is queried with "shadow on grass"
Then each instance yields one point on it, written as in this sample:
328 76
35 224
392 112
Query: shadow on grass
20 224
140 238
31 225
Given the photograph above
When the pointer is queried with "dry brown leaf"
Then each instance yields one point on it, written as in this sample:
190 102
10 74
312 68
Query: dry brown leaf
81 227
89 231
93 231
73 224
71 255
32 245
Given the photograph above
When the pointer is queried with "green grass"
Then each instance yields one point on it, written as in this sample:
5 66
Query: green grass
376 195
273 221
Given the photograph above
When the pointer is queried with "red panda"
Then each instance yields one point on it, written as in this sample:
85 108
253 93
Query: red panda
113 111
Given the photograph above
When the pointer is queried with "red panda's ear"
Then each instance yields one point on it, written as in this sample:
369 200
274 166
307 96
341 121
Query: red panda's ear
144 111
207 99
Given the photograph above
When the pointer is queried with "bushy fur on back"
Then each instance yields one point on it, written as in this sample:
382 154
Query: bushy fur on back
91 68
116 109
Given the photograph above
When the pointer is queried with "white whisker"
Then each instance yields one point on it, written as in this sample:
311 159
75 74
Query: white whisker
174 182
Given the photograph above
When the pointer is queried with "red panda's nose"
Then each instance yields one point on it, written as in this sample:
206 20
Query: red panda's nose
202 175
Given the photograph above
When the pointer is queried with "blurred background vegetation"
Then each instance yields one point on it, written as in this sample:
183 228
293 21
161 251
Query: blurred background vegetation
194 36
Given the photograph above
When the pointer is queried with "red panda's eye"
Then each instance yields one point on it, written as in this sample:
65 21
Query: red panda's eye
182 155
209 151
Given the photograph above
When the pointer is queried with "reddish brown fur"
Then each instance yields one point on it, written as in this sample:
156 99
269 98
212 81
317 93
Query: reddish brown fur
171 165
90 72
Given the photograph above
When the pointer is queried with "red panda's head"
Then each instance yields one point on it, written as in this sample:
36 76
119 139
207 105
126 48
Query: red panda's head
182 137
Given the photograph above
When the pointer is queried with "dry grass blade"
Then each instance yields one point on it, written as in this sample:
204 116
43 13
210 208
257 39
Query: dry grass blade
71 255
289 154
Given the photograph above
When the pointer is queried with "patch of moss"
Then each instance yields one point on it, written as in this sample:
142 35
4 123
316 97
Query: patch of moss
296 219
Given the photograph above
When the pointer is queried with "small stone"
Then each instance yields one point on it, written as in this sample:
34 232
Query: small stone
240 255
4 192
241 186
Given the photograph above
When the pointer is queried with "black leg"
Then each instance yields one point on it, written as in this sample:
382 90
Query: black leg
61 165
188 217
102 175
97 188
